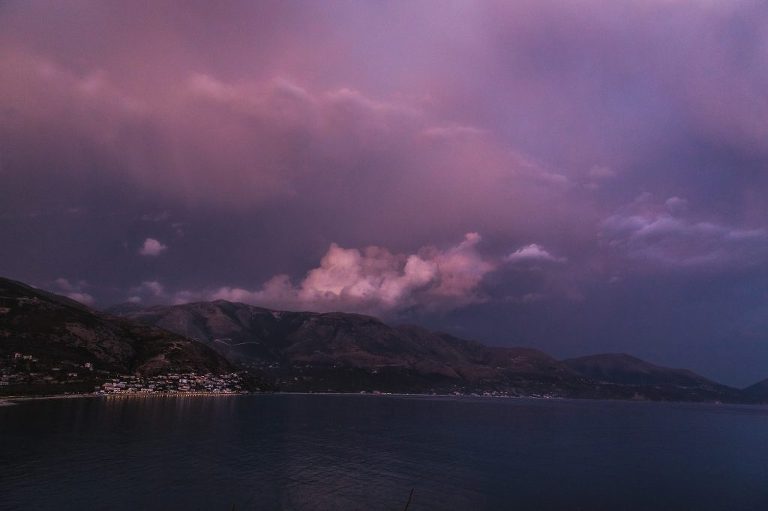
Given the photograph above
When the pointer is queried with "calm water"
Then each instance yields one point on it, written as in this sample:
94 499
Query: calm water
363 452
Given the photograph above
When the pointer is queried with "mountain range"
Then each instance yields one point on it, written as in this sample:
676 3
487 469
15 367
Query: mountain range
349 352
320 352
45 337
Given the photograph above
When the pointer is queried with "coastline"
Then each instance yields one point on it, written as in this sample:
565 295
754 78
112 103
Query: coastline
14 400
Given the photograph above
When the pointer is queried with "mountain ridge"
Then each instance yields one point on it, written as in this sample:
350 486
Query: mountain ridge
313 352
48 337
302 350
626 368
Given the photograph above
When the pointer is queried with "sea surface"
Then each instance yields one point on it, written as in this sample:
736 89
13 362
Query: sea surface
335 452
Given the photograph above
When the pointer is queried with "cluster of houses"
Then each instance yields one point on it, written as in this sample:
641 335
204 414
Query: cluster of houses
22 368
231 383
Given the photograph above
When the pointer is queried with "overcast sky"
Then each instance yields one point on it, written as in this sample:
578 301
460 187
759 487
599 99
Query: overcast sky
579 177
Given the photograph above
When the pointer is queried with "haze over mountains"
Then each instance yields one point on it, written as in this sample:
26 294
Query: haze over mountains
371 354
55 332
538 171
625 369
307 351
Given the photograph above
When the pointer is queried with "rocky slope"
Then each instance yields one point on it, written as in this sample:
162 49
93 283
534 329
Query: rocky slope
757 393
338 351
58 332
653 381
351 352
41 333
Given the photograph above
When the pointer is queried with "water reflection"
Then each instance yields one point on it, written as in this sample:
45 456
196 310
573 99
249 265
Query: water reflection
299 452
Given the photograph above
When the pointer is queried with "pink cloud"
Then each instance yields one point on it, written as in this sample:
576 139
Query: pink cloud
83 298
663 235
74 290
255 141
152 248
374 280
533 252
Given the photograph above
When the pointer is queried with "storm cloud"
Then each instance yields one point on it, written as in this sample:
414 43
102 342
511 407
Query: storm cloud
334 155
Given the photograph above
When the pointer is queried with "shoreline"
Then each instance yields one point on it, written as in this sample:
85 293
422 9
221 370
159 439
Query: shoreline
14 400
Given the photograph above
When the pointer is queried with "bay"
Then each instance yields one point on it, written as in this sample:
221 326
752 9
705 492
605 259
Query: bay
349 452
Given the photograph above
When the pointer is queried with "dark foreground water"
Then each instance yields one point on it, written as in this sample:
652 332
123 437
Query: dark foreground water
362 452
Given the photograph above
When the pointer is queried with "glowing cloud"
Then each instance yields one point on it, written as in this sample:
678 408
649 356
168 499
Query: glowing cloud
374 280
533 252
152 248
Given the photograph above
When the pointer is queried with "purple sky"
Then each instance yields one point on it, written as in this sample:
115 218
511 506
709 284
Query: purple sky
579 177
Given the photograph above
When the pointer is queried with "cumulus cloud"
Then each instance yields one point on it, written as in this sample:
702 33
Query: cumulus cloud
374 280
531 120
663 235
533 252
152 248
74 290
151 287
63 284
149 291
83 298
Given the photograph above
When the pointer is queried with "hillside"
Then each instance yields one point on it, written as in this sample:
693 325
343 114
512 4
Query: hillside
351 352
49 339
339 351
626 370
758 392
45 334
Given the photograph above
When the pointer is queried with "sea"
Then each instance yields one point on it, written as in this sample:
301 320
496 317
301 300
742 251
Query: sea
363 452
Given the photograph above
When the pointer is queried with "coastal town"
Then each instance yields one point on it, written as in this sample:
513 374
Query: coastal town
22 371
25 369
231 383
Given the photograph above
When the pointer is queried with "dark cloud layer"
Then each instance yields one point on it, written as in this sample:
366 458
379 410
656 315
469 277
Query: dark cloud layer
579 177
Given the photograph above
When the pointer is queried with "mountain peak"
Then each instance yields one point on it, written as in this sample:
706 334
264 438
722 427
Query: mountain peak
54 329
